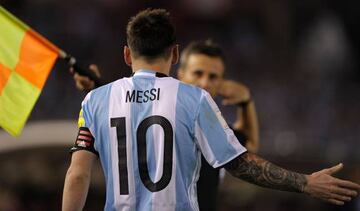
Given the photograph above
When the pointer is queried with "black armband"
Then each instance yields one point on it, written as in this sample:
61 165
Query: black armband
84 141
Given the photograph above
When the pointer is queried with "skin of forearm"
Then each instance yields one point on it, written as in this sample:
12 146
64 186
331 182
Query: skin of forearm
252 147
75 191
250 122
253 169
247 123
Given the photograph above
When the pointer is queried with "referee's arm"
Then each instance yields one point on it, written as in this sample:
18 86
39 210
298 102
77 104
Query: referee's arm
246 122
77 180
247 114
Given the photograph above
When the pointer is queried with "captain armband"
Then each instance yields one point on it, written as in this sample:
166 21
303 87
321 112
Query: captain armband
84 141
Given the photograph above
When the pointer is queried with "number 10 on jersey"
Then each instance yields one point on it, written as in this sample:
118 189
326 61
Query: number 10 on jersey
120 124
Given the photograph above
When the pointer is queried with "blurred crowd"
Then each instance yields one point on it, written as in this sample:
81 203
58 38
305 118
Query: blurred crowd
299 58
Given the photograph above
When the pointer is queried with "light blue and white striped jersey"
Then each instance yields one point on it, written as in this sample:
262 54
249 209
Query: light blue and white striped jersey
149 133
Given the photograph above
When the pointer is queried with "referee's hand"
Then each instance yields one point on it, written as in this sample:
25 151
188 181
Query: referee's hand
336 191
84 83
233 92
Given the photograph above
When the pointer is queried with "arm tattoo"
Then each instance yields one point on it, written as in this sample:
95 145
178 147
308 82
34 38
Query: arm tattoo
254 169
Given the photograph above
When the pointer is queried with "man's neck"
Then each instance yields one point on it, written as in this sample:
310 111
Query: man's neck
161 67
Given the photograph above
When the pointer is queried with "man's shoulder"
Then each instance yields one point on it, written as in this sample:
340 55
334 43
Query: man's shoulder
189 97
107 87
97 95
190 89
100 90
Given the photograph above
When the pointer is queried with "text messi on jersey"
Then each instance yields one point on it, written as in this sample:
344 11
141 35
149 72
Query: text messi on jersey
140 96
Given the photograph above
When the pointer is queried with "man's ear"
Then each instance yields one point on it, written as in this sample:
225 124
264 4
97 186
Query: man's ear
127 56
175 55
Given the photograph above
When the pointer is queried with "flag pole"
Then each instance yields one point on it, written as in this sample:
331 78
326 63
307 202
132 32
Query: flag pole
79 68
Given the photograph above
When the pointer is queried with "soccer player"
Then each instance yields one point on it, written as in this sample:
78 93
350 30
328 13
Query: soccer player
202 64
149 131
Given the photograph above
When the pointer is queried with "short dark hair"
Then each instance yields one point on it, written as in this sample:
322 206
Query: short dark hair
206 47
150 34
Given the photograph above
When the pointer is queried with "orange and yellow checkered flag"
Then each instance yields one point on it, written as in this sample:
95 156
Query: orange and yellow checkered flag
26 59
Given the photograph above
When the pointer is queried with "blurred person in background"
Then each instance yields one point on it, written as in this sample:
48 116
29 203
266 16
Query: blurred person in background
202 63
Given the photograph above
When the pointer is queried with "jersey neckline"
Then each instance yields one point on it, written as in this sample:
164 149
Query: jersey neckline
143 72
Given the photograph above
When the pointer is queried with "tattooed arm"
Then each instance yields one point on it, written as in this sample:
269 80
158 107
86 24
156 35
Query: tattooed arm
256 170
253 169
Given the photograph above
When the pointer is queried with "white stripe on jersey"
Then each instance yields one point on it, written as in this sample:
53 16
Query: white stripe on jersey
192 188
204 146
165 200
117 95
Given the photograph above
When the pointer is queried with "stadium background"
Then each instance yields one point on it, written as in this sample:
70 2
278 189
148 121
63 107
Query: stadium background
299 58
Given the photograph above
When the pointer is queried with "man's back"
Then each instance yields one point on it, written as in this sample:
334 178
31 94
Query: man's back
149 133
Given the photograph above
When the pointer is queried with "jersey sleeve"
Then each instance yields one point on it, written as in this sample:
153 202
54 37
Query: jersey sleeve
85 139
214 137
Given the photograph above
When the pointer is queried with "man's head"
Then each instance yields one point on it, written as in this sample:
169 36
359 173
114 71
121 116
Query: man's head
202 64
150 37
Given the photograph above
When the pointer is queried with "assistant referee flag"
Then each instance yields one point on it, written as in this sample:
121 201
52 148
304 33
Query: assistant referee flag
26 59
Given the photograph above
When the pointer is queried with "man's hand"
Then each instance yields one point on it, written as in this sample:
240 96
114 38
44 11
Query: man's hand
84 83
233 92
336 191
